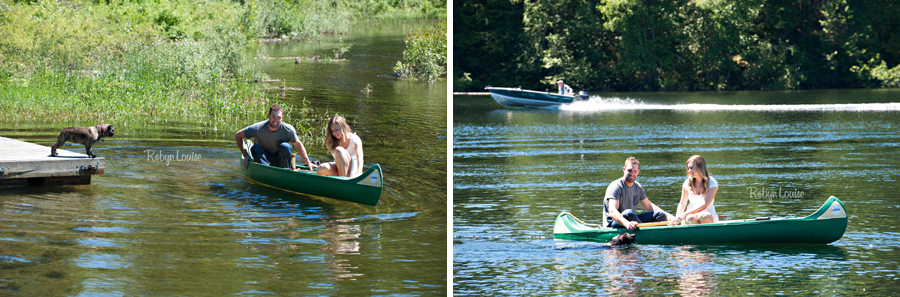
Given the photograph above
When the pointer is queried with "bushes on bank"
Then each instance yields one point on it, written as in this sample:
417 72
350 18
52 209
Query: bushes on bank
425 55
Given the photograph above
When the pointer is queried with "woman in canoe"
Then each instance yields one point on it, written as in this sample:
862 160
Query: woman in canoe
699 189
345 146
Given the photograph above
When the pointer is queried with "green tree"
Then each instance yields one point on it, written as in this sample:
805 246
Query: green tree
714 39
678 45
488 38
648 33
564 41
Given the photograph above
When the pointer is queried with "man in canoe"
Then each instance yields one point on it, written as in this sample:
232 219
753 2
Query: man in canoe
273 140
564 89
622 198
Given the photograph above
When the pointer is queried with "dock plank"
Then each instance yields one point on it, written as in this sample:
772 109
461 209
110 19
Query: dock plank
20 160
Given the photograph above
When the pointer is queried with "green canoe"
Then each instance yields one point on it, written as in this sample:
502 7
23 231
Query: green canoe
363 189
824 226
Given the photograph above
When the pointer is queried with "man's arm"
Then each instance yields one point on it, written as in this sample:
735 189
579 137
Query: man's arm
298 146
239 138
613 210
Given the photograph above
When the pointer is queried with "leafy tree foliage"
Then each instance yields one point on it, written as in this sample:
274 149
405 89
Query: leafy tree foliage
488 35
426 52
631 45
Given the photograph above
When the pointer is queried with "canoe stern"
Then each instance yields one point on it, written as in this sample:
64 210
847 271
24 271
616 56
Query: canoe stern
373 179
567 226
563 224
831 209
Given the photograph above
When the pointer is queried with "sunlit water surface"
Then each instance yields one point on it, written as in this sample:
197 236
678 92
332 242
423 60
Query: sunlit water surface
194 227
515 169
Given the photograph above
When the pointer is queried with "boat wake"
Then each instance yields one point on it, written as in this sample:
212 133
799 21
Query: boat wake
586 246
597 103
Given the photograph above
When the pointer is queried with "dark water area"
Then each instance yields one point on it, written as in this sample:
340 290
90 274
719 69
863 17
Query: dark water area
515 169
199 227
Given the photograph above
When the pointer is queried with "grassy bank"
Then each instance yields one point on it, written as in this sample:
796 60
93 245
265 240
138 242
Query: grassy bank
156 61
118 62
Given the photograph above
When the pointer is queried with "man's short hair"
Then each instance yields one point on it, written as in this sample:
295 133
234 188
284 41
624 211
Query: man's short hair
275 108
559 81
632 160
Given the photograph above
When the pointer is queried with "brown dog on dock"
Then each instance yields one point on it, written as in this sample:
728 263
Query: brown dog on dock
87 136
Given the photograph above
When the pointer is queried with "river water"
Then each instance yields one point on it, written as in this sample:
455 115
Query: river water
199 227
514 170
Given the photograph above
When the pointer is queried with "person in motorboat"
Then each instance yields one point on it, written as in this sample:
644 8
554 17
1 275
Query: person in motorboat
699 189
273 140
564 89
622 198
345 146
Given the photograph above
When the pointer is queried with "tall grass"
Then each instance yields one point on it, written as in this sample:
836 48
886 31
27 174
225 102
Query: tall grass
147 62
207 81
154 60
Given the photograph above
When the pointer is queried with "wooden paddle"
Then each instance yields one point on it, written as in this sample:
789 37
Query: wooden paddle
656 224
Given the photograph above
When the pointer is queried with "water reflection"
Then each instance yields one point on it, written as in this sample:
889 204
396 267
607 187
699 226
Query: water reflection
514 170
338 239
201 228
624 271
341 240
696 276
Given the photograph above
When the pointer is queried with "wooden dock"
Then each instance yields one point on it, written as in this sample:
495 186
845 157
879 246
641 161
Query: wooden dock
23 163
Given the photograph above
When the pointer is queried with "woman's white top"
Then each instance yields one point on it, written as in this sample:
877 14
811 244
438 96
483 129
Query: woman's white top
697 201
355 167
